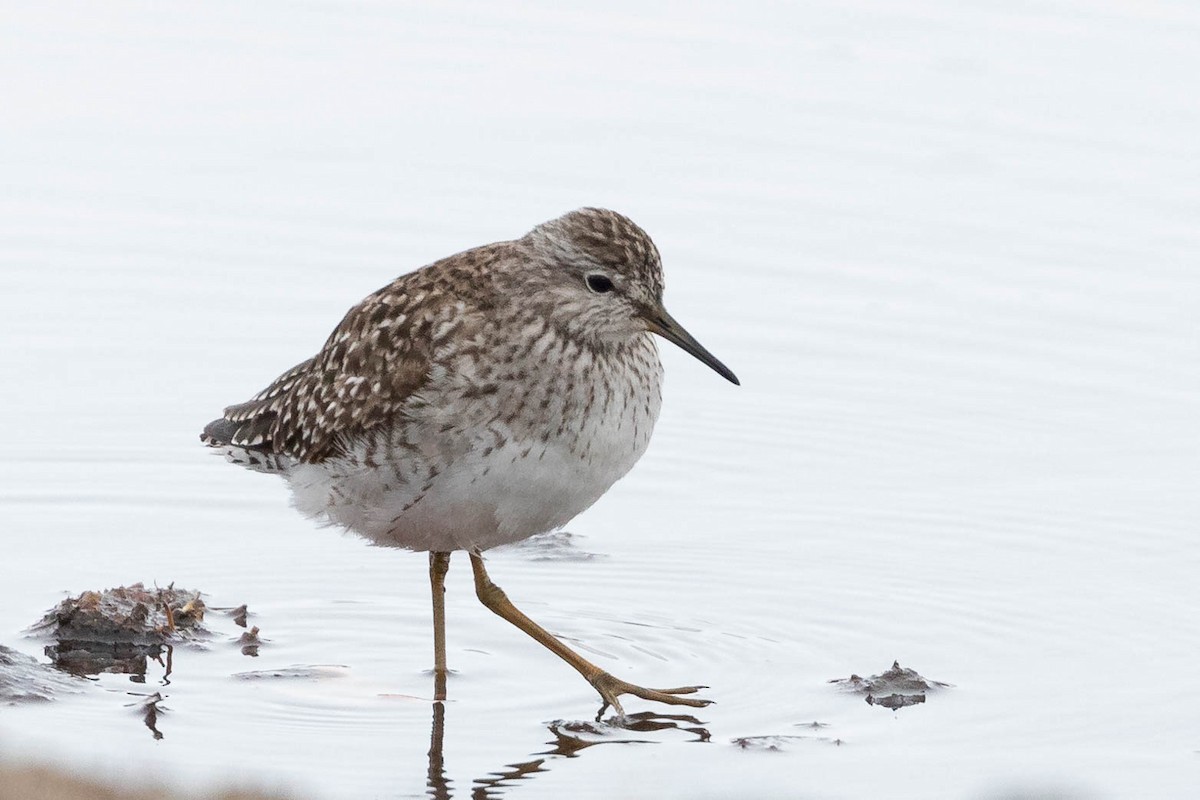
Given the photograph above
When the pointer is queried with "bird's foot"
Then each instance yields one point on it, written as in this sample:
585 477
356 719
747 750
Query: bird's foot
610 688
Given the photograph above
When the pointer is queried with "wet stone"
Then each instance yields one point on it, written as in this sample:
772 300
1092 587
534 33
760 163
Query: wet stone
780 743
552 546
24 679
310 672
616 729
895 688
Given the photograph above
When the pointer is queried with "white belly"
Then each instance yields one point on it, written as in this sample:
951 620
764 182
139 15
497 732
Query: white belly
491 482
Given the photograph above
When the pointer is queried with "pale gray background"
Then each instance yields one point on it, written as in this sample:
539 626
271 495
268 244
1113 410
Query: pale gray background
950 248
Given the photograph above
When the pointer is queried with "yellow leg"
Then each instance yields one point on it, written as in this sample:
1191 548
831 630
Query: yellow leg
608 686
439 564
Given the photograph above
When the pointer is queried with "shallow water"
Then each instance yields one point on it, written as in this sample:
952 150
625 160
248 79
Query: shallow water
950 252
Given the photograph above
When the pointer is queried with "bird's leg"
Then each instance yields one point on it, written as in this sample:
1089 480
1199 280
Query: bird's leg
606 684
439 565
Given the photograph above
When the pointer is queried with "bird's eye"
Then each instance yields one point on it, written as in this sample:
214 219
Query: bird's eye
600 284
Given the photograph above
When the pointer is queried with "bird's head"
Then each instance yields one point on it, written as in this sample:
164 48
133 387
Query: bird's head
600 278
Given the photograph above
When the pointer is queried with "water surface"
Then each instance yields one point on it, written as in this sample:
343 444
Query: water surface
949 249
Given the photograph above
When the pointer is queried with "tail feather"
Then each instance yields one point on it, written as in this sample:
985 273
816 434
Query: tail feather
245 433
220 434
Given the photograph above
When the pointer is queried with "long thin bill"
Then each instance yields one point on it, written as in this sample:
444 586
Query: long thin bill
665 326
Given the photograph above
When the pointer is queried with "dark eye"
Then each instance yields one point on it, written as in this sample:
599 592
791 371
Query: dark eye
599 283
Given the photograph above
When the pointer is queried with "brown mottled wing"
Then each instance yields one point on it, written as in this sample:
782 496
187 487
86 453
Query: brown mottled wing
374 361
249 425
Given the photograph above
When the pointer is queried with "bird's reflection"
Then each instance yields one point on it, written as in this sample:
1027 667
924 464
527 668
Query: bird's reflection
570 739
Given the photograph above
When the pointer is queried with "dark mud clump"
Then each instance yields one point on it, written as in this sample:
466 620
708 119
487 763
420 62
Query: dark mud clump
250 642
898 687
118 629
128 614
239 615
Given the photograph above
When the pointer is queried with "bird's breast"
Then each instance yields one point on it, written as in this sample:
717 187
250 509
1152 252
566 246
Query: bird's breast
501 446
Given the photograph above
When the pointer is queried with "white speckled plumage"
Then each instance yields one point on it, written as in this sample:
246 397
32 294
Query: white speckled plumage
480 400
491 479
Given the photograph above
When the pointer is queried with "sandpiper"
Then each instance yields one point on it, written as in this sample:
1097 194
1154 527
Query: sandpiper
478 401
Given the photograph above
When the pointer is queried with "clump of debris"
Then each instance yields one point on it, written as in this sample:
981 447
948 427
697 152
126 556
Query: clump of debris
895 688
122 631
132 614
116 630
250 642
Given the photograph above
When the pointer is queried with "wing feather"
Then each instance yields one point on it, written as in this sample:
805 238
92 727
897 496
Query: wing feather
374 361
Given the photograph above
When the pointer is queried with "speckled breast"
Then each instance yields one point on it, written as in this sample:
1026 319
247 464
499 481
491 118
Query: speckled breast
505 443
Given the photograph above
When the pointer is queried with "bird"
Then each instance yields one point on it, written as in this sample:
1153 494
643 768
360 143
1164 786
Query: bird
490 396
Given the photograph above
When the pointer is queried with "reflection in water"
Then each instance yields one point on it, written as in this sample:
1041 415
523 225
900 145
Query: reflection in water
165 659
152 709
128 646
570 739
88 659
438 783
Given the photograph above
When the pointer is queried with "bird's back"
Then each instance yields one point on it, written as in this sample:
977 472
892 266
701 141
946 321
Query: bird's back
373 363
